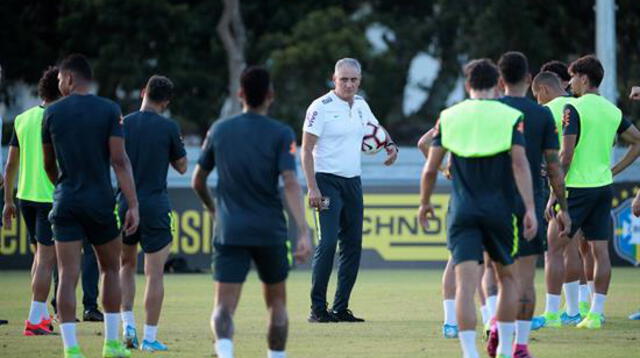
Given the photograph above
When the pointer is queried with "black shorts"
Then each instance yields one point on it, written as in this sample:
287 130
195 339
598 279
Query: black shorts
537 245
154 233
590 210
471 234
98 224
231 263
36 218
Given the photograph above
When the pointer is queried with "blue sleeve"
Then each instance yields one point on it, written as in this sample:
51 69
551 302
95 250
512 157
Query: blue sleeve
570 121
624 125
177 150
46 135
207 158
14 140
116 123
550 140
287 151
517 136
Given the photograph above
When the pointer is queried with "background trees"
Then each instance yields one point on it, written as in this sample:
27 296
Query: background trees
128 40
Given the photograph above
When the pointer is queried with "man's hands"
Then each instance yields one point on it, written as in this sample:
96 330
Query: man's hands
8 214
315 198
131 221
530 224
564 222
392 154
425 212
635 93
303 247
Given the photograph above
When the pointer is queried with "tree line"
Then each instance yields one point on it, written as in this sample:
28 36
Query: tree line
299 41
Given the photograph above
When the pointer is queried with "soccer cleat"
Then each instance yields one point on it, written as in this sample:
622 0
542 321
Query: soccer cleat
46 323
450 331
152 346
35 329
493 341
634 316
345 316
548 319
92 315
115 349
130 337
73 352
321 317
584 308
521 351
567 320
592 321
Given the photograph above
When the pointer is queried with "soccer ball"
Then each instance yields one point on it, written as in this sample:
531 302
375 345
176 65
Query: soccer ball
374 138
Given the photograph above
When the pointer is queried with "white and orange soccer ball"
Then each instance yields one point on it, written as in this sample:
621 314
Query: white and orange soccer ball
374 139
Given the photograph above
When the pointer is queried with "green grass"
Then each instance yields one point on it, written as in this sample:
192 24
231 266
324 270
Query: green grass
403 310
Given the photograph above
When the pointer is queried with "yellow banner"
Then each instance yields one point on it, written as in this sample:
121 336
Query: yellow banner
392 229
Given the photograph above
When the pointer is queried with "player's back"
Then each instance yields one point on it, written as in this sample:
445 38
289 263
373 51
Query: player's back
540 134
79 127
152 143
481 164
248 155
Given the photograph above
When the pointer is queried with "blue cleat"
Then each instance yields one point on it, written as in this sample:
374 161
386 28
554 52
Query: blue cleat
634 316
157 346
450 331
537 323
570 320
130 337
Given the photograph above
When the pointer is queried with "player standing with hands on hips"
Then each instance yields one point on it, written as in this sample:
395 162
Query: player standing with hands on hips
331 154
635 95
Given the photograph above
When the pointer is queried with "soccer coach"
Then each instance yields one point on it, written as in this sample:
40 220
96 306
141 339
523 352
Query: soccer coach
331 153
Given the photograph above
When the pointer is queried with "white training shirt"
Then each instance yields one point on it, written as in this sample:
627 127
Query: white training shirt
339 128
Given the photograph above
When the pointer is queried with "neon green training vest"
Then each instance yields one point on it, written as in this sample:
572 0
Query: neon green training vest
34 184
599 122
478 128
556 106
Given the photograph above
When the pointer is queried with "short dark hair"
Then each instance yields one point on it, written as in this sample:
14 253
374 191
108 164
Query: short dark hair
78 64
514 67
558 67
481 74
591 67
547 78
255 83
48 85
159 88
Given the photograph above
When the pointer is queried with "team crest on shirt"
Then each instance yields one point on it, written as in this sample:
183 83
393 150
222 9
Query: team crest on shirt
626 232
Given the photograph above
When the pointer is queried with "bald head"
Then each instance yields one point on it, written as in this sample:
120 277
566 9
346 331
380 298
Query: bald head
546 86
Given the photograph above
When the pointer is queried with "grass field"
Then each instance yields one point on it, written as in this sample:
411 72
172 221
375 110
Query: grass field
403 310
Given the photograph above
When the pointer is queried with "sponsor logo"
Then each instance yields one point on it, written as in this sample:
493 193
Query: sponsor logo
566 116
311 118
327 100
